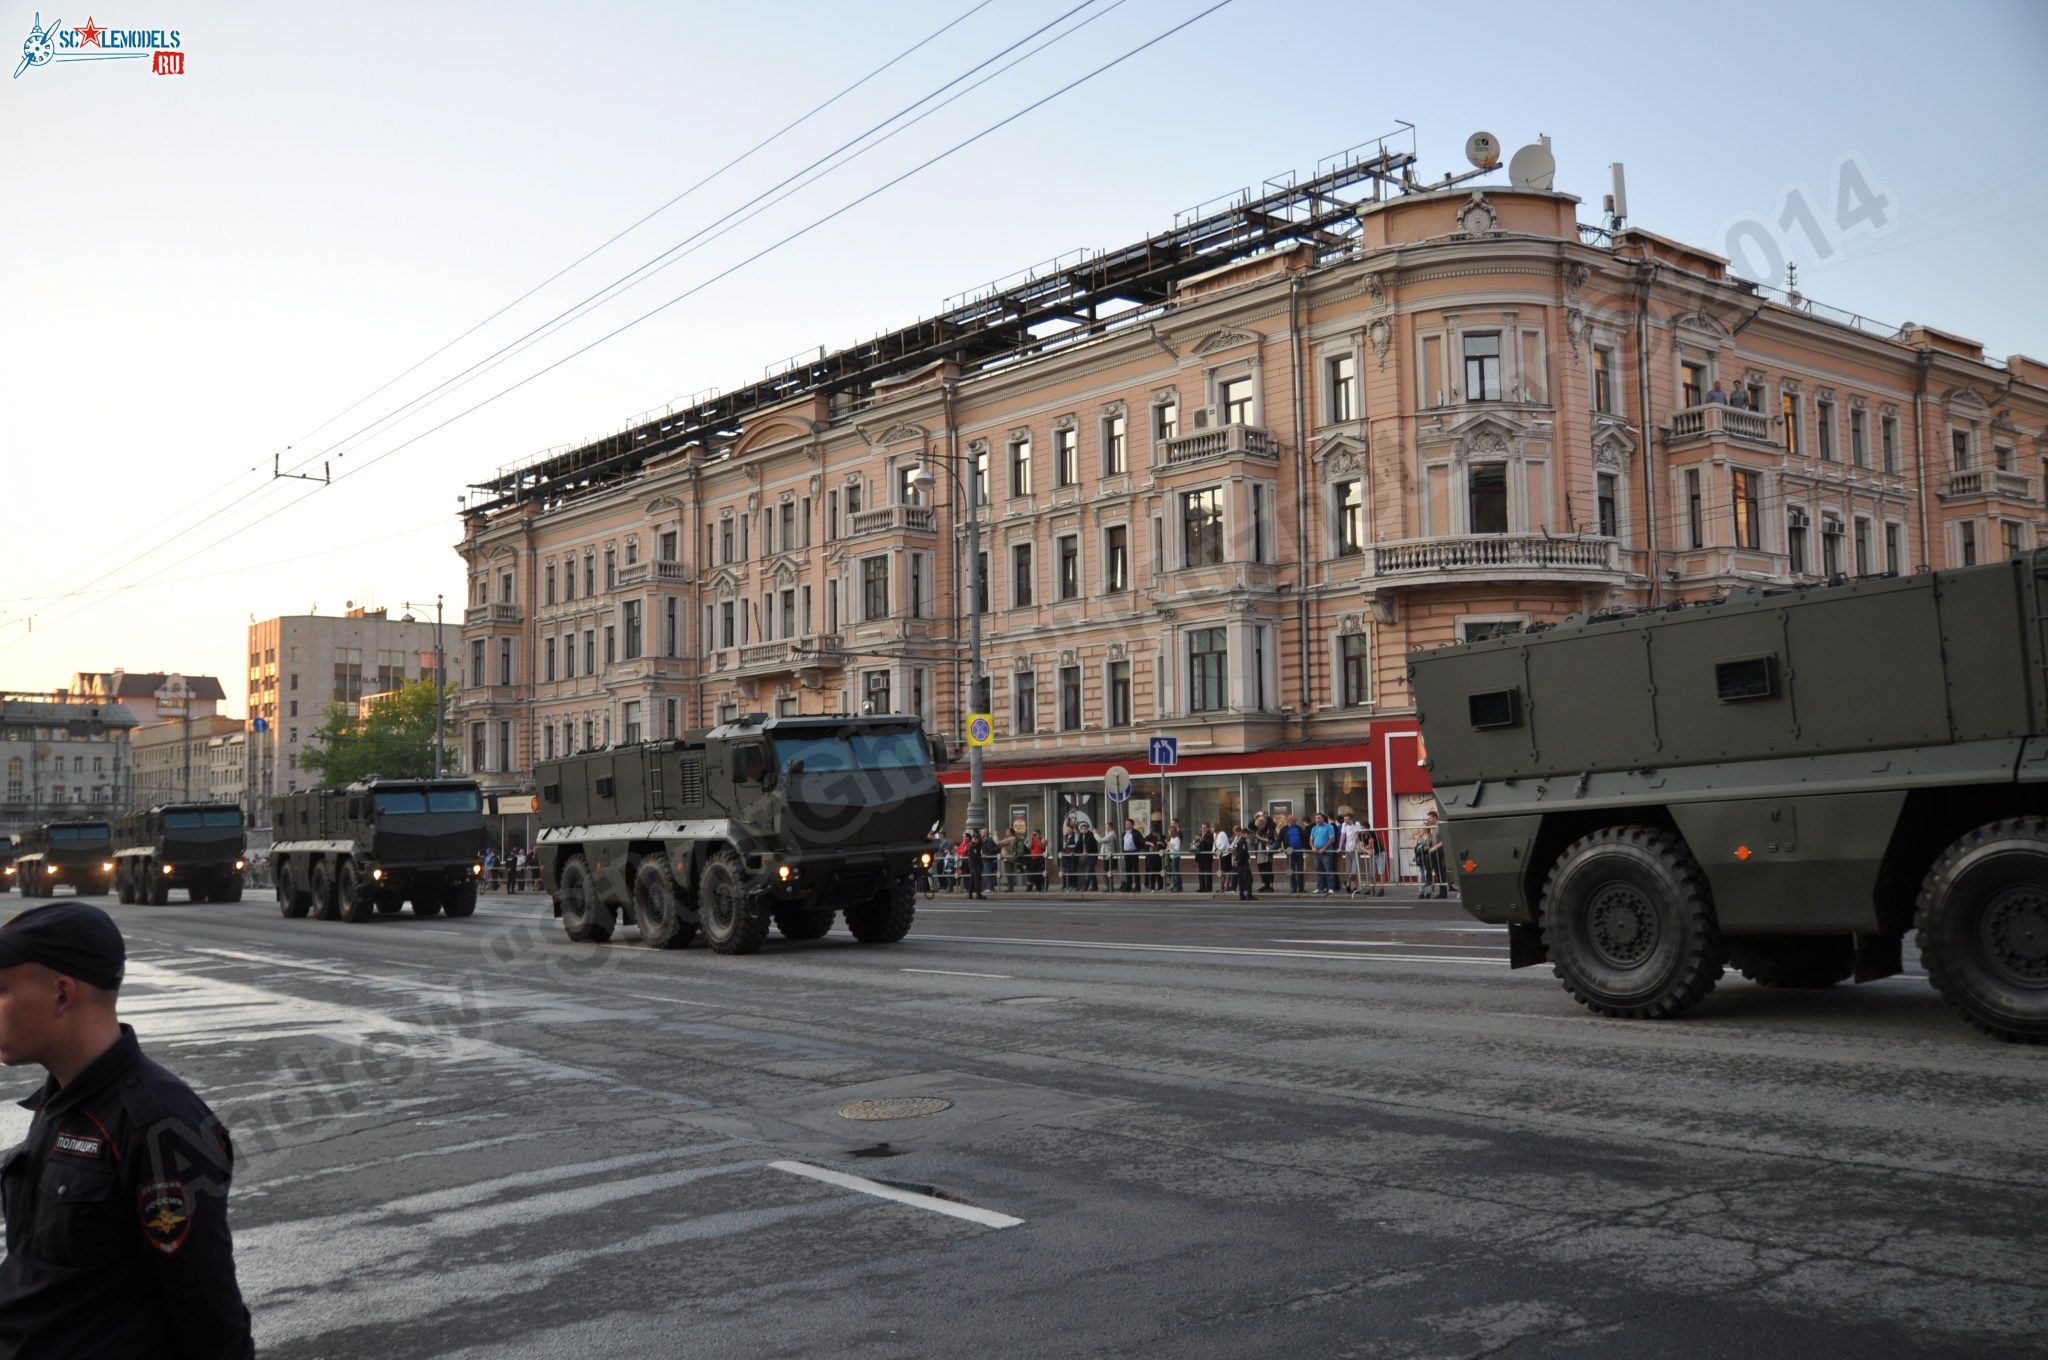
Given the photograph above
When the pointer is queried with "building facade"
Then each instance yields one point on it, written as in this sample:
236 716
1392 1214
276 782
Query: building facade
61 756
1229 513
136 691
300 664
171 761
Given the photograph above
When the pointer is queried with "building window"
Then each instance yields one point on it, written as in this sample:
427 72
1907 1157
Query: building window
1020 466
1831 545
1166 420
1603 381
1201 527
1208 655
629 716
590 574
632 621
874 588
1960 453
1743 494
1024 702
1260 496
1891 547
788 534
1606 497
568 656
632 551
1692 383
1116 559
1863 547
982 590
1070 698
1888 439
1119 705
1341 377
668 543
1966 536
1350 517
981 492
1066 457
671 627
1482 366
547 659
547 741
906 484
479 747
1020 576
1234 397
476 662
2002 457
915 604
2010 533
1116 454
789 626
1824 430
548 583
1069 548
1486 498
611 644
726 624
1795 541
874 692
1788 409
1356 669
1696 528
1859 438
831 516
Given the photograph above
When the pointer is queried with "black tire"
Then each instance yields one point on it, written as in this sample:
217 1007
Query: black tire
156 889
429 901
1629 925
124 883
733 920
797 924
460 900
291 902
198 892
586 918
1983 921
1795 961
354 893
230 891
388 904
887 918
326 903
665 920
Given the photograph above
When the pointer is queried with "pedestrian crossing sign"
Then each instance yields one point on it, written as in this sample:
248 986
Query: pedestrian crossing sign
981 729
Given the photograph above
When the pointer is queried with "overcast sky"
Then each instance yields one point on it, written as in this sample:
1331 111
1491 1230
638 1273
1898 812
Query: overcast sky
199 272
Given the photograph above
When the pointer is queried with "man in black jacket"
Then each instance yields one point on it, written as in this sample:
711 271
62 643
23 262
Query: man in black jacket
117 1229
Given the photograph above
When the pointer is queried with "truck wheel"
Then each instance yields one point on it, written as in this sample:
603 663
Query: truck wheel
354 894
1802 961
156 888
887 918
124 883
585 917
1629 926
231 891
1983 919
732 920
460 901
428 901
797 924
291 902
198 892
665 923
325 905
389 904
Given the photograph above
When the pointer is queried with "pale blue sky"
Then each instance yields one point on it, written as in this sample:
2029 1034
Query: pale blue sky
195 271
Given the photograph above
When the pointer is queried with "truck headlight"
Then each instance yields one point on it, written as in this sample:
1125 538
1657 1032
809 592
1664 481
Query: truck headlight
167 871
477 870
49 868
107 867
784 872
377 875
241 864
924 861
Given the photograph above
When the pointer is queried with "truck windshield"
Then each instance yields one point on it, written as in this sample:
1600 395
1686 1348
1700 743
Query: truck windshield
78 833
192 821
900 749
401 802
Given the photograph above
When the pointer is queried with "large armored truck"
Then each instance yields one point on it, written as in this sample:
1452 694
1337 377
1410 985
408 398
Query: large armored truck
200 847
1783 780
371 847
783 820
8 873
78 853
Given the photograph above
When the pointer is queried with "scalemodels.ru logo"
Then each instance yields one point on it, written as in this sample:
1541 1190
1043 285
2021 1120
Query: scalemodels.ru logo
56 44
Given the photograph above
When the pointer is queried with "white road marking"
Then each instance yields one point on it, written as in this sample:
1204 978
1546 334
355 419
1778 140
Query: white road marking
1203 949
1397 944
671 1000
948 972
957 911
988 1218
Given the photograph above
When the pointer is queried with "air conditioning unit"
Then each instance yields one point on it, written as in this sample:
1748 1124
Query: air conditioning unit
1799 519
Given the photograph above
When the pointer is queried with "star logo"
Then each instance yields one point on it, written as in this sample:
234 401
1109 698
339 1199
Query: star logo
89 36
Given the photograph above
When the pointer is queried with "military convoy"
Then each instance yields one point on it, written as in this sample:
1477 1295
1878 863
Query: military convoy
760 820
369 848
56 854
200 847
1784 780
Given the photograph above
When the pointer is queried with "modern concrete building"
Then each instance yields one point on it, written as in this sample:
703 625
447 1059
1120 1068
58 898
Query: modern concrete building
170 760
1228 478
61 756
299 664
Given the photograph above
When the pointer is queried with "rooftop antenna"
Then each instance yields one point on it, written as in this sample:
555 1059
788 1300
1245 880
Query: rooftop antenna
1616 202
1533 166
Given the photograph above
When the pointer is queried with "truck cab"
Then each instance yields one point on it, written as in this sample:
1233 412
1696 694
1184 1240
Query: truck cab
74 853
200 847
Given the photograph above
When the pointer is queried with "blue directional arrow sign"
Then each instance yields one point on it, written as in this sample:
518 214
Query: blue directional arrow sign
1166 751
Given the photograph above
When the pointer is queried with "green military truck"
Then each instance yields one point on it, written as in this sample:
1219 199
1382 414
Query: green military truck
782 820
1784 780
200 847
78 853
8 873
369 848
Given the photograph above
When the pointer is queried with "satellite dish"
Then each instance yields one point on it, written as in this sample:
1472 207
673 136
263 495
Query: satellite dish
1483 150
1533 166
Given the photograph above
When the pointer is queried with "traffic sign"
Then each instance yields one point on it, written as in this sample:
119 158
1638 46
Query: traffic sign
981 729
1166 750
1116 782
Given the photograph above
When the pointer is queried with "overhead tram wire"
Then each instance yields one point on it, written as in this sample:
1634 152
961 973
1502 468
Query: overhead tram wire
766 250
180 513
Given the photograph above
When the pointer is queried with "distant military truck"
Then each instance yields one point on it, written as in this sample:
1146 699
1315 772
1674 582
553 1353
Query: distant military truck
78 853
1785 781
7 871
200 847
369 848
783 820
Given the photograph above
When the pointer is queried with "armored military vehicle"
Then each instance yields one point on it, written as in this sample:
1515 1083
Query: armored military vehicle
371 847
788 820
7 869
200 847
1784 780
78 853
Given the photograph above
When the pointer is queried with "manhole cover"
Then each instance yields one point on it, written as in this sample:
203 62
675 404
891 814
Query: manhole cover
895 1107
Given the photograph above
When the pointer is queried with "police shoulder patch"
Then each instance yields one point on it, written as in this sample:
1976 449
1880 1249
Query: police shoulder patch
166 1210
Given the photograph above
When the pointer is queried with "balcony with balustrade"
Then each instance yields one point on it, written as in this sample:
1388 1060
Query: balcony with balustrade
496 613
651 573
1221 444
1969 485
815 652
1493 557
1716 423
892 519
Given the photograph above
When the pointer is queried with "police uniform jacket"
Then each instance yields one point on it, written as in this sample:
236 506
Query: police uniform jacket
117 1232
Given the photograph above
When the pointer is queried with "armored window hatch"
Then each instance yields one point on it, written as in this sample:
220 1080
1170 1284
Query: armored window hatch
1747 678
1496 708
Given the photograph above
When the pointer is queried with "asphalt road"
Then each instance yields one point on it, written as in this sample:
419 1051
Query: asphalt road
1286 1129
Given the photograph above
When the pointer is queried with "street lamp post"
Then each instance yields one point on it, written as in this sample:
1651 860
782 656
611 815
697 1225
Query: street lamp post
440 672
977 798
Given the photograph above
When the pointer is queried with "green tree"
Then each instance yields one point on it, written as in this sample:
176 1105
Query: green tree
395 740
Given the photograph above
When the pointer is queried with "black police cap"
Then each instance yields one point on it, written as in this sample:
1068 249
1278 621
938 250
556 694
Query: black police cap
71 938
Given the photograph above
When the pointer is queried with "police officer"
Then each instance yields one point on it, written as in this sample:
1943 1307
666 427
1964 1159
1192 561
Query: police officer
117 1231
